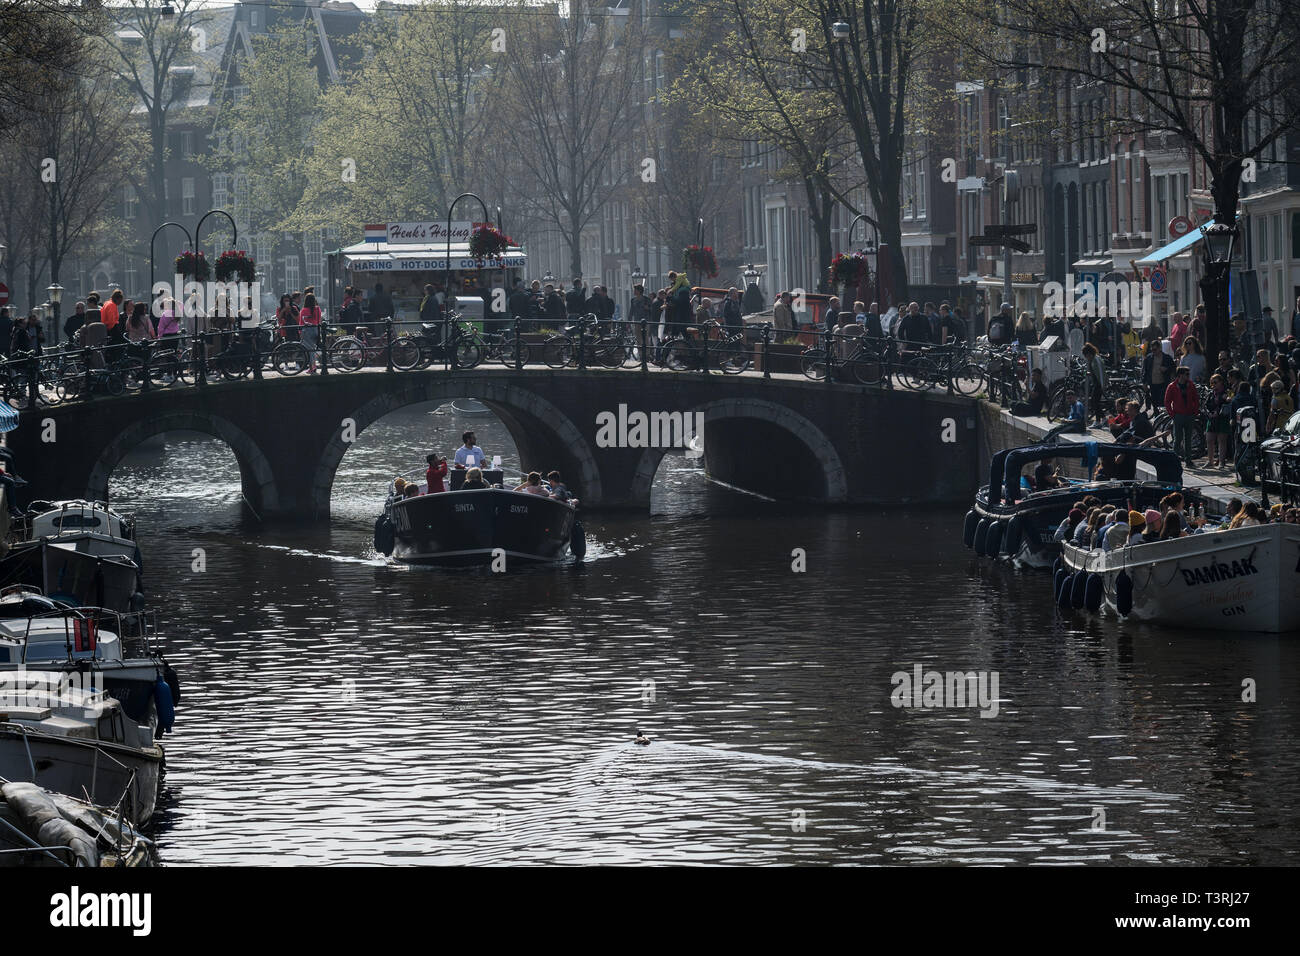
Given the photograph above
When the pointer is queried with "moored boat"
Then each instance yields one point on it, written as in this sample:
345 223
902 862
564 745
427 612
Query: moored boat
1011 520
1238 580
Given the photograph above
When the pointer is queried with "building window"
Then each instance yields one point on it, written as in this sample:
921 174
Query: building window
187 144
291 273
921 204
909 192
1295 235
1262 232
220 190
130 202
187 196
1277 237
312 247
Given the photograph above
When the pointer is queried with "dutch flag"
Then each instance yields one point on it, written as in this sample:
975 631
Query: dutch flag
377 233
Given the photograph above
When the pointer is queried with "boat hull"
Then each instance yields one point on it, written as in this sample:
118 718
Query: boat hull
1241 580
79 767
462 528
72 575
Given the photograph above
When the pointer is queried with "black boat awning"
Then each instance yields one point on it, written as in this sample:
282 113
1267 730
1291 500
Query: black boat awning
1004 470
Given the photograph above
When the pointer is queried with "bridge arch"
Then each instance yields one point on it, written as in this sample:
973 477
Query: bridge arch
540 431
255 473
799 428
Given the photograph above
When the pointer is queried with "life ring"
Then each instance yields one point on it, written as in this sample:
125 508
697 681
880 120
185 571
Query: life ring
1123 593
1094 591
385 535
968 528
981 536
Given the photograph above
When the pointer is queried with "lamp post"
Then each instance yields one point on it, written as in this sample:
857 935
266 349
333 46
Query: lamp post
56 296
870 247
1220 239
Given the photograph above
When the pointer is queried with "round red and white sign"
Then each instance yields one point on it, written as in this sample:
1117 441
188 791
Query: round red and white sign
1179 226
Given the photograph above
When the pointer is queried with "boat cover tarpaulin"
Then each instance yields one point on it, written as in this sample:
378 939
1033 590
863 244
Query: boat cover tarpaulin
8 417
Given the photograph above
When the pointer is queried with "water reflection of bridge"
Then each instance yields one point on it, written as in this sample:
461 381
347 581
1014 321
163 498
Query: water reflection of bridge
784 436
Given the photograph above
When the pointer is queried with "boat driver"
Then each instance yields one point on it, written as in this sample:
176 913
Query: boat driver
467 451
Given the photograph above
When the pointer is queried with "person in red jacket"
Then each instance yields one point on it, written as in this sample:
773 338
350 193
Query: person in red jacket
436 472
1183 404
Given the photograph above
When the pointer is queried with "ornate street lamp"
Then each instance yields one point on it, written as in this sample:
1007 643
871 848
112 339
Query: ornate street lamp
638 277
549 277
56 296
1219 241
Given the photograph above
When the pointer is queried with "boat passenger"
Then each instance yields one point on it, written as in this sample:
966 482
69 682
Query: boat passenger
436 471
1252 515
1047 476
1173 526
1071 521
1124 532
1112 517
467 451
1154 525
399 486
1080 536
558 488
533 485
412 491
474 479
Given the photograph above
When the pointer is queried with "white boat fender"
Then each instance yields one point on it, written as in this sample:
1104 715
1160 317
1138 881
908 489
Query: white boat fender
162 695
1063 594
968 528
981 536
385 535
1011 542
1077 588
993 541
1094 590
1123 593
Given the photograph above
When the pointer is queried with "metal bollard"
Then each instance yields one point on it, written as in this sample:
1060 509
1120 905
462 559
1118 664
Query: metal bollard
145 384
388 334
582 347
767 340
519 355
446 340
830 348
257 353
645 345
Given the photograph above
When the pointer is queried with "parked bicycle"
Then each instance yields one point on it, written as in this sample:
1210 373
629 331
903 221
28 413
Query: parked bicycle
708 346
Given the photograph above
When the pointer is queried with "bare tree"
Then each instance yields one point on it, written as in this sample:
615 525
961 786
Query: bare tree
566 108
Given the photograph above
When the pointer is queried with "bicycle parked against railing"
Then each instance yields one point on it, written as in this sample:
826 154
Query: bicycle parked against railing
463 351
697 349
350 352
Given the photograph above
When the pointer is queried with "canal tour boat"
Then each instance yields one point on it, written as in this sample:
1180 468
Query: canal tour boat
1017 522
475 526
109 651
77 742
1239 580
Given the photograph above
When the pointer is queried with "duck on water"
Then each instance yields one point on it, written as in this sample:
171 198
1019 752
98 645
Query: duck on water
1016 517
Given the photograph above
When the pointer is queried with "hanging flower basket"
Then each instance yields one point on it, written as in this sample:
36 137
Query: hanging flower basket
192 265
488 242
848 269
700 258
235 264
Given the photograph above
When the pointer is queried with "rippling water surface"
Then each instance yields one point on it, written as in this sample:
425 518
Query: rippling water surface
337 709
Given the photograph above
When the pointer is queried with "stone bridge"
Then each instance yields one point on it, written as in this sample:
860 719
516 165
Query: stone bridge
784 436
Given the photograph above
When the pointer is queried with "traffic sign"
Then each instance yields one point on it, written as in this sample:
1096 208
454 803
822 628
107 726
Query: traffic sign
4 294
1023 229
1159 280
1019 245
1179 226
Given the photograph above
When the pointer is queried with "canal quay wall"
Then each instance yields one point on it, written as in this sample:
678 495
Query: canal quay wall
783 436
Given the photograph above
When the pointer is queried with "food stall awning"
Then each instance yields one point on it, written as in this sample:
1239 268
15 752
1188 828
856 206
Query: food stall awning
424 257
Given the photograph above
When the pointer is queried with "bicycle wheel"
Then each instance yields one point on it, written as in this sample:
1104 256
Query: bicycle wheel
233 367
1057 408
679 355
132 371
72 382
813 364
609 352
406 353
919 373
114 381
507 355
290 358
347 355
468 353
868 368
968 379
162 369
734 358
557 351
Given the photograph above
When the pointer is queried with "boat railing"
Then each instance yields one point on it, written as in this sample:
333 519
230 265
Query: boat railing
138 626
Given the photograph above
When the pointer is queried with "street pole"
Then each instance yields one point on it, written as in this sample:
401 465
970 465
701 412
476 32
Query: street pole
1010 192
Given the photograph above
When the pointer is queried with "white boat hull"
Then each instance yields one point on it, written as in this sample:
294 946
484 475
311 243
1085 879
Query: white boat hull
1242 580
80 768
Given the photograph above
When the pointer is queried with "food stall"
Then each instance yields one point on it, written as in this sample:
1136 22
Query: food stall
406 256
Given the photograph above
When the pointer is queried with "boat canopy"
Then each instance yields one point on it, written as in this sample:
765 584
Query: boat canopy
1004 470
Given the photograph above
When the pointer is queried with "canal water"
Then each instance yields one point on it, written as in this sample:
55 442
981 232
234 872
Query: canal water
339 710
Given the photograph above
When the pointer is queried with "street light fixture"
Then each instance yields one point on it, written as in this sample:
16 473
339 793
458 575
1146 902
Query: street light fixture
1220 237
549 277
840 30
56 296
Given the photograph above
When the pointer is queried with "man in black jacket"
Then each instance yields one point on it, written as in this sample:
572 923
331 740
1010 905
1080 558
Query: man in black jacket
914 327
430 307
519 305
731 317
381 304
576 298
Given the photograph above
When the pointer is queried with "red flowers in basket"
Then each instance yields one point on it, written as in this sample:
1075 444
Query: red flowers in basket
700 258
235 264
192 265
488 242
848 268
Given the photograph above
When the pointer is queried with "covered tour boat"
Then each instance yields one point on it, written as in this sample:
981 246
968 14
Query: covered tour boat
1012 519
474 526
1238 580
